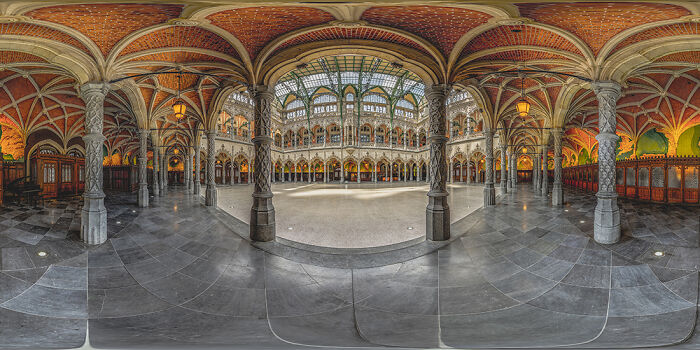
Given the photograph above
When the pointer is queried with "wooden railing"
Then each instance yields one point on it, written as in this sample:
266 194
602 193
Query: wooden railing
657 179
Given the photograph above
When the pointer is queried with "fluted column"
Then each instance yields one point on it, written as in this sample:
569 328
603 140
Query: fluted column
211 193
489 189
93 224
156 172
504 181
545 177
197 170
606 223
557 193
143 170
262 214
438 210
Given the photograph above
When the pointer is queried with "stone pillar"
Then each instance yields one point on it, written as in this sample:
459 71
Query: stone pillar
93 224
342 173
469 173
197 170
489 189
391 172
164 174
536 173
606 223
325 172
557 193
309 170
545 177
156 171
514 172
190 176
358 172
405 172
262 213
143 170
504 181
211 193
438 211
509 175
451 173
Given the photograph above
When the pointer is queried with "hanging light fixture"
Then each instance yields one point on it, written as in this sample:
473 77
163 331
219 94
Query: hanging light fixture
179 106
523 107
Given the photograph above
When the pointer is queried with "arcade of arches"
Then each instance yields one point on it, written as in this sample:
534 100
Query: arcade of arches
532 165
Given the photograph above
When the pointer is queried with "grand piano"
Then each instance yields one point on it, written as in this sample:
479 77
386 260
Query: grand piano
23 189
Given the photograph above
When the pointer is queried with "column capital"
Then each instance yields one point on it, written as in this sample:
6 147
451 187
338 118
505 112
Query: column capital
93 88
607 87
144 132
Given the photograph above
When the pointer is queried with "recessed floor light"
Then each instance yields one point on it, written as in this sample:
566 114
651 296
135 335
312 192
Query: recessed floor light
582 221
289 228
119 222
410 227
566 210
659 254
41 254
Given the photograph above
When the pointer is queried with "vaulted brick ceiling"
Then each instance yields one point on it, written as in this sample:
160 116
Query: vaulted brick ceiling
552 36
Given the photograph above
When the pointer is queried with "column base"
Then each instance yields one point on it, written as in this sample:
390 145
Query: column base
545 193
489 195
143 196
211 196
262 218
197 188
190 188
513 188
504 187
437 217
93 221
557 195
606 222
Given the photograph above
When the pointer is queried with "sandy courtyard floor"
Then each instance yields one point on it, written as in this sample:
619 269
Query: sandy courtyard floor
350 215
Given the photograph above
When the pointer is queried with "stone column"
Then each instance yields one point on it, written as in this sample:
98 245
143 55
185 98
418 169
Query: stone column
189 178
504 181
93 224
358 172
325 172
489 189
309 171
164 174
262 213
143 170
391 172
509 175
469 173
197 170
405 172
156 171
211 193
438 211
557 193
451 172
536 173
545 178
606 223
514 172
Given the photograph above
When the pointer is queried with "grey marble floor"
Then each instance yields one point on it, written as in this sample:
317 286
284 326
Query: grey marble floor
176 276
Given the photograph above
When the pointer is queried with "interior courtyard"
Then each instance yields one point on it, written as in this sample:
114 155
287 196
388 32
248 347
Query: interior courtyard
293 175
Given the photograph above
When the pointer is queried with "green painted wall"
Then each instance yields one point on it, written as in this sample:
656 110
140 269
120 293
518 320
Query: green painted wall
689 142
652 142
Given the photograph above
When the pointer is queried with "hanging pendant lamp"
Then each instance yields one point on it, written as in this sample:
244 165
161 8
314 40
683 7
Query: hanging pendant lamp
523 107
179 106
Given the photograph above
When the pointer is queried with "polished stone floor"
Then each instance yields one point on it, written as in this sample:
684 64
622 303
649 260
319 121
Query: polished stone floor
176 275
351 215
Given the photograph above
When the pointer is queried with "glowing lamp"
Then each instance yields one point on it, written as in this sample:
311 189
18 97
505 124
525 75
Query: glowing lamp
523 107
179 108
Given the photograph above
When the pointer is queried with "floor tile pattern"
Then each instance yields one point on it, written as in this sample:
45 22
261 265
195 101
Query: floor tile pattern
523 275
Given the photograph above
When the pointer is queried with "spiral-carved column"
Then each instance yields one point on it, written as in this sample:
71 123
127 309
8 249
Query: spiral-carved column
437 211
210 199
164 174
262 214
536 157
197 170
189 183
606 224
143 174
545 177
514 171
489 189
509 175
504 181
156 172
93 225
557 193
